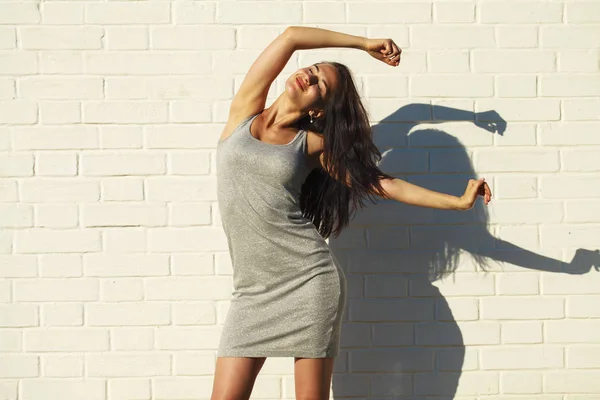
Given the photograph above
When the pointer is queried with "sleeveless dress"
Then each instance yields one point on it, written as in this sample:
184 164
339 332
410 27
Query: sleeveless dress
289 291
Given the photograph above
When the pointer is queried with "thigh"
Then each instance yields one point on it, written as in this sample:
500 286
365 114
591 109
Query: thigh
312 378
234 377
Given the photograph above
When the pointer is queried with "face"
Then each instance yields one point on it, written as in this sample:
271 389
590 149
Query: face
310 88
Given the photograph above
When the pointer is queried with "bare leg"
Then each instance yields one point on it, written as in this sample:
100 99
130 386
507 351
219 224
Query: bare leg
234 377
312 378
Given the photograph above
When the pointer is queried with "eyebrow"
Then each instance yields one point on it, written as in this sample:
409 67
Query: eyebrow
324 83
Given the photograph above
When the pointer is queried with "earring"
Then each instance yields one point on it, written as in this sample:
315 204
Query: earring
311 118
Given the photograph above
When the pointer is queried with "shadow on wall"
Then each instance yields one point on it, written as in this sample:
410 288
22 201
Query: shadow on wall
399 336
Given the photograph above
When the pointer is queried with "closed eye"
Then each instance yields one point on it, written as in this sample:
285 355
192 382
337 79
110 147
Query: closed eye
320 92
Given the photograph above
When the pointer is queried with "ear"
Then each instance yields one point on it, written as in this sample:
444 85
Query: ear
318 113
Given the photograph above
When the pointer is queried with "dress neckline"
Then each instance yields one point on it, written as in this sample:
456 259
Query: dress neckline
270 144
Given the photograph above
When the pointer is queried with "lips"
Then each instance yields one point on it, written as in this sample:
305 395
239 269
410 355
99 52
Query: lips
300 83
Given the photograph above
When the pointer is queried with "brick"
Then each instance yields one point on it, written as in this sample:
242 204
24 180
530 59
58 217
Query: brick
183 337
146 63
522 357
15 13
459 37
538 12
59 190
18 112
522 332
18 315
522 109
117 112
193 12
583 306
579 61
572 186
580 160
571 85
61 265
570 36
581 109
386 13
124 214
447 61
62 13
516 86
56 215
60 112
515 187
56 289
582 12
128 314
572 382
16 164
517 36
174 188
66 389
451 86
61 339
194 264
8 38
583 356
189 214
187 239
510 161
521 382
189 288
125 240
127 38
64 38
18 63
61 62
259 12
136 338
112 290
68 314
122 188
121 137
129 388
7 89
522 308
454 12
128 13
190 111
55 138
56 164
521 61
168 88
126 265
62 366
57 241
517 284
568 133
554 284
192 38
572 331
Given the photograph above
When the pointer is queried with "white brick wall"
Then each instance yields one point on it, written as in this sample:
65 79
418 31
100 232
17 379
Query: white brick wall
115 277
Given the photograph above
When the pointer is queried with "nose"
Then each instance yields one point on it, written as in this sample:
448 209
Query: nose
312 79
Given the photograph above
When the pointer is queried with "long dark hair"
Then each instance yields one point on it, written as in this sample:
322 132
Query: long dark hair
348 151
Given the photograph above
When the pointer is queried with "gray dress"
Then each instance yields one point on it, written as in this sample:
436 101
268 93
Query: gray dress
289 291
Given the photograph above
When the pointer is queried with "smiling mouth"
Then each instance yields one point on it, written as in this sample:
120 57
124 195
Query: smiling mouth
300 83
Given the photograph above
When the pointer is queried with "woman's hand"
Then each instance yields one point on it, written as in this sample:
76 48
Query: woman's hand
384 50
475 187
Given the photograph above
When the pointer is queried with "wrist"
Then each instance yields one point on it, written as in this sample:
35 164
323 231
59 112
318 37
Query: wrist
460 203
363 43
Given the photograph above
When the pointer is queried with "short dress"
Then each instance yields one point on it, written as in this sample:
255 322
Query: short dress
289 291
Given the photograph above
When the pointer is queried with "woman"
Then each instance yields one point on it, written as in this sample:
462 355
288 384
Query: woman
288 177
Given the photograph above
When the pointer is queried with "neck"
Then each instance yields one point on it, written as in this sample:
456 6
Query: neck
281 114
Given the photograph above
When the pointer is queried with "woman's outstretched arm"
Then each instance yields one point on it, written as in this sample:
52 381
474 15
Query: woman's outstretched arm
304 38
406 192
316 38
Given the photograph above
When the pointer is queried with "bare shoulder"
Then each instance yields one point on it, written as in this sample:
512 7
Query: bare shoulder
234 120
